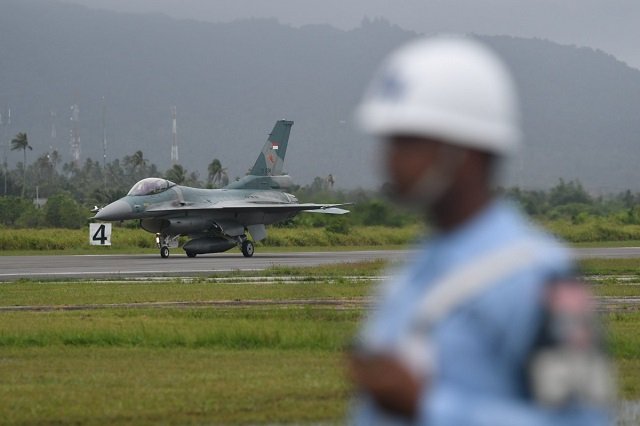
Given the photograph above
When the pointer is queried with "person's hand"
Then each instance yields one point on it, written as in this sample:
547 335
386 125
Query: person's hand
391 385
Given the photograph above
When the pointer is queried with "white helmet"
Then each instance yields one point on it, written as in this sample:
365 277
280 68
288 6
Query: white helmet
452 88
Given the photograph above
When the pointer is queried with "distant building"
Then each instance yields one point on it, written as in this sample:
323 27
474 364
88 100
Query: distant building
39 202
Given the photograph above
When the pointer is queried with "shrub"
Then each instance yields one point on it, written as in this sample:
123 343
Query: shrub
31 218
11 208
62 211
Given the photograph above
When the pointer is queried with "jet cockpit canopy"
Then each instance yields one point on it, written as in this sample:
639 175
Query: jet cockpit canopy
150 186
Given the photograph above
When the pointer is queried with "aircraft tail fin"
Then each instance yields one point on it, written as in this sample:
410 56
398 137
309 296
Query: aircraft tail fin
271 159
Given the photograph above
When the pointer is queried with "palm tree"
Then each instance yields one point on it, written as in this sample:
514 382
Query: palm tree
54 159
138 159
224 178
20 141
192 180
217 175
44 169
135 164
177 174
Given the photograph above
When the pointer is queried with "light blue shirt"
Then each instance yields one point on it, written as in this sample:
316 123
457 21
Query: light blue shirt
482 346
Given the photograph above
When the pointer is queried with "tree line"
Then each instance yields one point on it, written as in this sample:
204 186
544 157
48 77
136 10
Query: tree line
92 182
72 190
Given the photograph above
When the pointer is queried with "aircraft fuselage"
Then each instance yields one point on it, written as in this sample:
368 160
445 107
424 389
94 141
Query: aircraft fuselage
169 211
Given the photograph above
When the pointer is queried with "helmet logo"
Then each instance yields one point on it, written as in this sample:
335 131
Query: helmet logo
390 86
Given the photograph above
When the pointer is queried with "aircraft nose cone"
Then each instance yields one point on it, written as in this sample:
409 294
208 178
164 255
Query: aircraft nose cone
118 210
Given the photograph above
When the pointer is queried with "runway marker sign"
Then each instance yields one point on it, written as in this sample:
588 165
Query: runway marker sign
100 234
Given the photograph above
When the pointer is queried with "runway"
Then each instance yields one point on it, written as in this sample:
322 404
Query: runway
608 253
114 266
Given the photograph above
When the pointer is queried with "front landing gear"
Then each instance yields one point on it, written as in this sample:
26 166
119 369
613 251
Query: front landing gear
165 242
247 248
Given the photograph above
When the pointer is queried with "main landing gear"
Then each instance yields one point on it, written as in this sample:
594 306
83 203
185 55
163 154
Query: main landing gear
247 248
205 245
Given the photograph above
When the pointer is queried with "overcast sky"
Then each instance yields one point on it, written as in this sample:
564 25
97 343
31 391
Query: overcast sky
610 25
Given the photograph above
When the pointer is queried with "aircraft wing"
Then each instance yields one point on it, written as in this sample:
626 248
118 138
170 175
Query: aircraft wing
244 205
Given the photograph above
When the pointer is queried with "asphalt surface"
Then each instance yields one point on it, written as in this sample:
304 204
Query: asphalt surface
114 266
608 253
178 264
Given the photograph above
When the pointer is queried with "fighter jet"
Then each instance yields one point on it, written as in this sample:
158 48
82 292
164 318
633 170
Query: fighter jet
217 220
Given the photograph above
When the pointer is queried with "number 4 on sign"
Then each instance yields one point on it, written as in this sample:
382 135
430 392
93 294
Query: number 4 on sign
100 234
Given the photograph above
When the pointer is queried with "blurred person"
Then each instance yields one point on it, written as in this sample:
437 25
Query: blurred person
487 324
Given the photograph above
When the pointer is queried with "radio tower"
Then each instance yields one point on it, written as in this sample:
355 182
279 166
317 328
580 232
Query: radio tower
104 142
6 123
174 133
54 133
75 135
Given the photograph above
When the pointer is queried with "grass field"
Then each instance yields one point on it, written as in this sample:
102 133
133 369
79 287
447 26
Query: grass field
141 385
87 359
126 240
629 266
78 293
178 365
173 366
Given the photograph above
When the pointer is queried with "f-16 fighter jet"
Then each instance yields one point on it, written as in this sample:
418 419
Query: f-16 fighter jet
217 220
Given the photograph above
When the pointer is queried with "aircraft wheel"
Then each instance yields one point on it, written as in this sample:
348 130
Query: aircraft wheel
247 248
164 252
191 254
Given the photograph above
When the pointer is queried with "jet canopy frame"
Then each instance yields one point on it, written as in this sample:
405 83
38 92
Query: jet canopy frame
150 186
